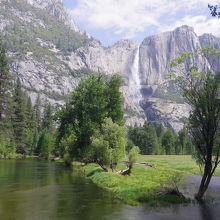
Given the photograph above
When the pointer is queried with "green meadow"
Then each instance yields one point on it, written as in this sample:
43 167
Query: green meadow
144 182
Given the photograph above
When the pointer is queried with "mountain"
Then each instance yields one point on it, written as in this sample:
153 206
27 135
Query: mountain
50 55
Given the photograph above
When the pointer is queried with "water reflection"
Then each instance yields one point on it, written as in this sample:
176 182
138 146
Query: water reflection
33 189
41 190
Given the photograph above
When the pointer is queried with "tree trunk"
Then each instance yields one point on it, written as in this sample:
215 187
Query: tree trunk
102 166
205 181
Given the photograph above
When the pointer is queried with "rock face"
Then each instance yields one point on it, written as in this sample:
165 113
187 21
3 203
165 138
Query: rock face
56 9
50 55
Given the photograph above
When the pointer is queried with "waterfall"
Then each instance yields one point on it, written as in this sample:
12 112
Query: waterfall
134 81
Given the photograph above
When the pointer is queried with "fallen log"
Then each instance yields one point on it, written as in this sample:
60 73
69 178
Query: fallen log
125 172
146 164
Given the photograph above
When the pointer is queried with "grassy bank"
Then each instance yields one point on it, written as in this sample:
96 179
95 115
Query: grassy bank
182 163
144 181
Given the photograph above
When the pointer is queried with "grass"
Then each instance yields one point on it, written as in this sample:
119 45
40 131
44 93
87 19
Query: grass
144 182
182 163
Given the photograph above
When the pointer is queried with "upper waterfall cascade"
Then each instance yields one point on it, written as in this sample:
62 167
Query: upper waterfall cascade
134 81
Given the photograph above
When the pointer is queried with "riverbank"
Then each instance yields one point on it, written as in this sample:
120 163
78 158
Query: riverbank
144 185
145 182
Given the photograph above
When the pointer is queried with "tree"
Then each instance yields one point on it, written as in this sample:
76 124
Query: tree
159 130
186 146
47 120
201 90
18 118
145 138
96 98
108 144
5 92
151 142
168 142
37 113
46 135
138 136
214 10
115 99
44 145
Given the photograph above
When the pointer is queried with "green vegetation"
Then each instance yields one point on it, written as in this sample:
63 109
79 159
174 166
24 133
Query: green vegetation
92 124
22 128
23 34
183 163
40 33
154 139
143 184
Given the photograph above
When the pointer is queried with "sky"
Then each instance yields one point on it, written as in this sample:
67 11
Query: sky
112 20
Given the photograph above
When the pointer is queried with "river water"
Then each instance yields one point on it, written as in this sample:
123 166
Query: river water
33 189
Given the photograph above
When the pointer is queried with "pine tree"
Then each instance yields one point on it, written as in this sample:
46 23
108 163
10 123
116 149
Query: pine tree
5 93
18 119
151 142
47 121
37 113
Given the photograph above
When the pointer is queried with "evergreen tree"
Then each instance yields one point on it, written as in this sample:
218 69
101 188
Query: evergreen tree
5 93
151 142
159 130
18 118
47 120
44 145
37 113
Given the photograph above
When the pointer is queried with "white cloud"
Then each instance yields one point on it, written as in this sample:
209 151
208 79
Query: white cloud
201 24
130 17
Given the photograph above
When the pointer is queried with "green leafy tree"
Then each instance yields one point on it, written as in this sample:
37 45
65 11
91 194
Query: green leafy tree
185 142
108 144
138 136
115 99
201 90
96 98
7 147
168 142
145 138
45 144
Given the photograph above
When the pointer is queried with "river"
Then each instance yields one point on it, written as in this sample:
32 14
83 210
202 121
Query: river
34 189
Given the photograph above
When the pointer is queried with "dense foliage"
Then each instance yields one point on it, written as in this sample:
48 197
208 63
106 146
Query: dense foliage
91 126
154 139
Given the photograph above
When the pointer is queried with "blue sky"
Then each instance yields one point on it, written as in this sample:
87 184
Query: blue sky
113 20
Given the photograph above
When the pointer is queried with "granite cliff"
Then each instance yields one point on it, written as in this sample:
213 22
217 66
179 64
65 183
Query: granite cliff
50 55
